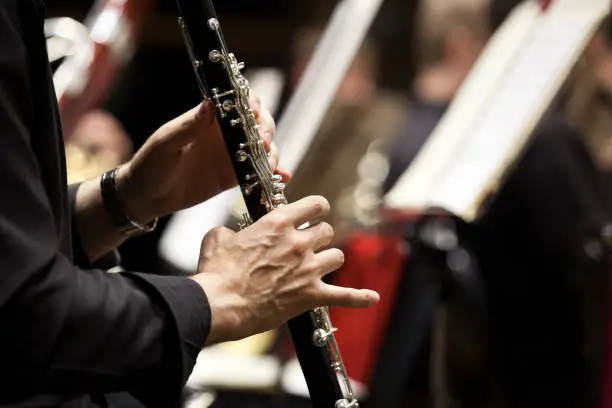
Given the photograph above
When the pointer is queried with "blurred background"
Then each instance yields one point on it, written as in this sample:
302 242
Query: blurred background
513 315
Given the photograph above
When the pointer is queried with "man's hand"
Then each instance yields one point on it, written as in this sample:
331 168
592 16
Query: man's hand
184 163
264 275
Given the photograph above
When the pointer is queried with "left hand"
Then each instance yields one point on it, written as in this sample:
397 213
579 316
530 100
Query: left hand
184 163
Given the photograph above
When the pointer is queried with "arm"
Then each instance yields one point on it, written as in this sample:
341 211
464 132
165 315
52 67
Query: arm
65 330
96 233
79 256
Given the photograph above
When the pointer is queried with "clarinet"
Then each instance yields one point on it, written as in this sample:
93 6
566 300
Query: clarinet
219 77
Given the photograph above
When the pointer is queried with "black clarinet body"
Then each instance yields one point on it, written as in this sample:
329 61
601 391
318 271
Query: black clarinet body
219 78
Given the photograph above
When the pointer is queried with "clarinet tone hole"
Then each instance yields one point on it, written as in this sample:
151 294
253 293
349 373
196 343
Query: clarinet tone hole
215 56
213 24
228 106
241 156
320 338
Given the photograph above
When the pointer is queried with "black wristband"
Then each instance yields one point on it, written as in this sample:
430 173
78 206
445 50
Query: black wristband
115 209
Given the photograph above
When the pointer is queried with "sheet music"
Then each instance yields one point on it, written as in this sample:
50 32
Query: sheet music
462 164
297 128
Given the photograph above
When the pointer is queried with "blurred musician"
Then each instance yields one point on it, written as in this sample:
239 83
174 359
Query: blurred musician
71 332
591 105
98 143
450 37
360 114
591 111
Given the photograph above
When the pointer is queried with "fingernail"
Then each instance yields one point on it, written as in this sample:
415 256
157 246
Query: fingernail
374 296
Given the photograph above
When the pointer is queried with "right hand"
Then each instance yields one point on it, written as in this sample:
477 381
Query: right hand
270 272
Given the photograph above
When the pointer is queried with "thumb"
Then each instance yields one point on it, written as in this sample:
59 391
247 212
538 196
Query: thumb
348 297
216 235
204 113
213 238
186 128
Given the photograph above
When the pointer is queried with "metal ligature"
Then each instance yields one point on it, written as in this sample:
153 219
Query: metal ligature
219 77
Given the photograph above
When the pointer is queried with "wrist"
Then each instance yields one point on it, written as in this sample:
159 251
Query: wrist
119 206
227 308
135 205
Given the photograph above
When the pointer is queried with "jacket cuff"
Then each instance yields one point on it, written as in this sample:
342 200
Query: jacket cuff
191 311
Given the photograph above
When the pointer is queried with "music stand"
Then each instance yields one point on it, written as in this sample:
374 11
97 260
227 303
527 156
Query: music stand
469 156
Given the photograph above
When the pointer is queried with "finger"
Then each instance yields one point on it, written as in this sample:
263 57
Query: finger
186 128
255 103
273 156
285 174
328 261
347 297
306 209
267 141
320 236
267 126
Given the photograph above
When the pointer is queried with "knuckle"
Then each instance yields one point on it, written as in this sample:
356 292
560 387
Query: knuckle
279 220
327 230
316 292
298 246
321 204
310 269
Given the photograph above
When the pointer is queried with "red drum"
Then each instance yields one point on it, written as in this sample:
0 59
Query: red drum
373 260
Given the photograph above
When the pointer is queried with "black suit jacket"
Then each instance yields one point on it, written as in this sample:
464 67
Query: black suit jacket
69 333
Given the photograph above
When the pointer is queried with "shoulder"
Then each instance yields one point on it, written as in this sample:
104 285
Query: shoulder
10 25
14 83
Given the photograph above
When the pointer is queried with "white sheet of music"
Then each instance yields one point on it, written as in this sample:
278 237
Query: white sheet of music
491 120
340 44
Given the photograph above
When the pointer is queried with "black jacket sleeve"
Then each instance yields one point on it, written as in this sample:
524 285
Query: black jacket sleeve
65 330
